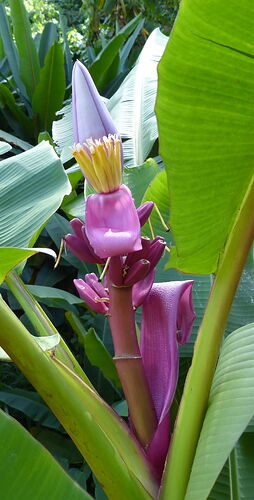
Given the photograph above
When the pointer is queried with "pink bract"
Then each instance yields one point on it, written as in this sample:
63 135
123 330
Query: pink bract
112 223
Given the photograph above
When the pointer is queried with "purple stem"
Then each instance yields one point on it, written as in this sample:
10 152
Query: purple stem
129 363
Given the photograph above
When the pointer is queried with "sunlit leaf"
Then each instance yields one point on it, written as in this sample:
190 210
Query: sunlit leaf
230 409
205 118
27 469
32 187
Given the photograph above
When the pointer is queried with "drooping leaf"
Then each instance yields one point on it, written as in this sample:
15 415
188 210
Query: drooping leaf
205 117
11 257
55 297
132 106
230 409
4 147
32 187
15 141
28 57
49 93
27 469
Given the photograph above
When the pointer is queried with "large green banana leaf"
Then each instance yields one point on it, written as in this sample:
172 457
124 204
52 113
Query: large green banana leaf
27 470
205 119
32 186
230 408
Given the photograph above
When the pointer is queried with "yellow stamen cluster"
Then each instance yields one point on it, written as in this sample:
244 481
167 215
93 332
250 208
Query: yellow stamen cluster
100 162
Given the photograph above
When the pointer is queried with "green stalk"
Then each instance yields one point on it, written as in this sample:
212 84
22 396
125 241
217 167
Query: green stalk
233 476
103 439
41 322
198 383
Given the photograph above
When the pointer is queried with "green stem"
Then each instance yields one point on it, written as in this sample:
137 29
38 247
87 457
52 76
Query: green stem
41 322
233 476
196 392
103 439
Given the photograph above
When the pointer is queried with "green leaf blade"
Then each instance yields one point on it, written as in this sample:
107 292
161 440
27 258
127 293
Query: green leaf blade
28 57
230 409
49 93
27 469
10 49
31 191
11 257
106 60
99 356
205 117
45 343
48 37
132 106
241 464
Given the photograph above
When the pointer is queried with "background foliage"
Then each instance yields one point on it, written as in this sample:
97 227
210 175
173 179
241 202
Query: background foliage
112 38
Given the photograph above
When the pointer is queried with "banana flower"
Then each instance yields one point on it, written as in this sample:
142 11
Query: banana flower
148 371
111 220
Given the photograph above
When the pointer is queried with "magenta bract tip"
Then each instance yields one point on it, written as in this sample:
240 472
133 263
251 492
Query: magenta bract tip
144 211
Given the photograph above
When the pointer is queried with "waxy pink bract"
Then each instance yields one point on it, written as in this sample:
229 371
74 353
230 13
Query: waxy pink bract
112 223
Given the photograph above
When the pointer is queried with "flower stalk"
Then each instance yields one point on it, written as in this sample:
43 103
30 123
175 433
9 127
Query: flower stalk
129 363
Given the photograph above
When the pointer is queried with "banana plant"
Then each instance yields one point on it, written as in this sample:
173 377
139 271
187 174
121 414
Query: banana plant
204 120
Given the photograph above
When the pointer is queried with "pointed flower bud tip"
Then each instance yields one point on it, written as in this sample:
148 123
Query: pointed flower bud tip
89 113
97 148
144 212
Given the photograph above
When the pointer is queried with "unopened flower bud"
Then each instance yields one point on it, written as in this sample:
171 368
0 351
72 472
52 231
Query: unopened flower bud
140 254
144 211
137 272
95 301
